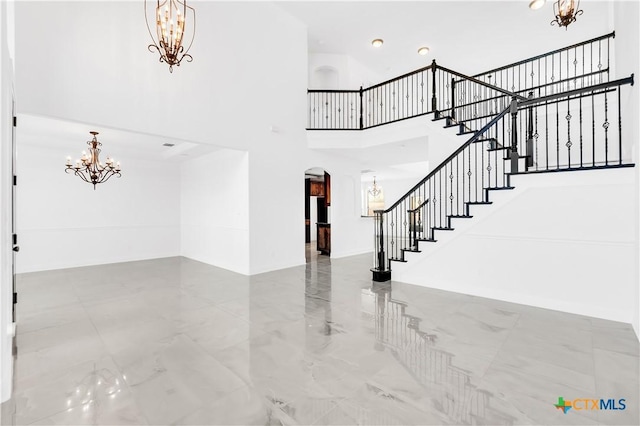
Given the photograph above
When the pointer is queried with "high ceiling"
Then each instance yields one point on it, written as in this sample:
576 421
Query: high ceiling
468 36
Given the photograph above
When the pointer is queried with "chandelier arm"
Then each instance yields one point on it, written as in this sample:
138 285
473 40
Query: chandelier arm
146 18
105 177
193 36
80 173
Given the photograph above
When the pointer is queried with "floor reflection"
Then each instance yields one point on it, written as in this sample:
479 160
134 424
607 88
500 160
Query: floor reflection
174 341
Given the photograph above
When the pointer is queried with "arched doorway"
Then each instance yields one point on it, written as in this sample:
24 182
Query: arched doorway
325 77
317 211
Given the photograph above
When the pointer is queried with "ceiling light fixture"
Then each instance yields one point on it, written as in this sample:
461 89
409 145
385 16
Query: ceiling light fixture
536 4
377 42
566 12
170 17
89 168
376 190
423 51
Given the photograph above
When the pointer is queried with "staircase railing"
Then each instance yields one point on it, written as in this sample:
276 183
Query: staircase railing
427 90
577 129
578 65
439 90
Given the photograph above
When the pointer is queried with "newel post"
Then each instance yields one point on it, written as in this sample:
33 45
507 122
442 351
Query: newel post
380 270
434 99
514 135
530 134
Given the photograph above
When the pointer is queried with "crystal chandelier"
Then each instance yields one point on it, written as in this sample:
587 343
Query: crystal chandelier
170 17
566 12
89 168
375 191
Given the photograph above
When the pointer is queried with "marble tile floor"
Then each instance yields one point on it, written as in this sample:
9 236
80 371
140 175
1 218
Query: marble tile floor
175 341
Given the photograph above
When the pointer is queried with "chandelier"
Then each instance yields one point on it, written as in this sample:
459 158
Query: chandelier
89 168
376 190
566 12
170 17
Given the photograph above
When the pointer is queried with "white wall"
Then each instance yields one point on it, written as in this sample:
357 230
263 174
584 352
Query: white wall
6 90
313 210
352 73
214 203
232 94
626 17
558 241
63 222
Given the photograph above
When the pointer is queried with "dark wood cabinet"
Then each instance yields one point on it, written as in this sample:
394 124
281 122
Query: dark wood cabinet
324 238
317 189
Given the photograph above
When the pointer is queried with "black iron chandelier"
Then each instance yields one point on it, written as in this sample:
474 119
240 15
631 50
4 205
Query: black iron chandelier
566 12
90 169
171 19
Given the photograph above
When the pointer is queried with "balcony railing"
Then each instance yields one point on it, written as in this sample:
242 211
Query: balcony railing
439 90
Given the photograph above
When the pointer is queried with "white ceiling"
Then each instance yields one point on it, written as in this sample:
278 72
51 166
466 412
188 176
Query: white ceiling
398 160
468 36
70 137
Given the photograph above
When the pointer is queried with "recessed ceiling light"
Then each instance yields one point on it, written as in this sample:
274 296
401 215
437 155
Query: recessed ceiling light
536 4
423 51
377 42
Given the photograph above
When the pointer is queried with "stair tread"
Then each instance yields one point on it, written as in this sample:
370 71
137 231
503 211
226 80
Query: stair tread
460 216
498 149
499 188
428 240
472 203
442 229
411 250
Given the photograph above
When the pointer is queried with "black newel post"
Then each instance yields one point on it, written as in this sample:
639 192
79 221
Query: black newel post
530 135
514 135
380 271
453 99
434 99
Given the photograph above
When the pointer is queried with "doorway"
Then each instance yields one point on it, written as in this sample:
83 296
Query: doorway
317 211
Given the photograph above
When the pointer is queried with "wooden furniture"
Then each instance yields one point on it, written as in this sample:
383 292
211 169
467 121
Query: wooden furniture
323 243
317 189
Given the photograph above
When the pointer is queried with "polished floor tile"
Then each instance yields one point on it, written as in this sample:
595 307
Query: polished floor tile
175 341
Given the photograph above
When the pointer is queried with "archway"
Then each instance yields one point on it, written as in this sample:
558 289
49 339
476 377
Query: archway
326 77
317 184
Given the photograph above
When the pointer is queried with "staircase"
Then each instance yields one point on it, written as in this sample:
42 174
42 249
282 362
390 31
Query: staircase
564 124
559 111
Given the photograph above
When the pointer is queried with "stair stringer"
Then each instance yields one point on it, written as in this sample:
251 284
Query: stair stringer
532 260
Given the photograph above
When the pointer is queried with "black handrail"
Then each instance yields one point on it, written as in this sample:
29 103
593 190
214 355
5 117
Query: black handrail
332 91
570 93
419 207
428 67
533 58
471 140
482 83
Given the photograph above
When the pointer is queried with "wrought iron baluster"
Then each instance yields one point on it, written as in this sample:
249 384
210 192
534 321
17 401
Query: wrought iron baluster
569 143
605 125
619 128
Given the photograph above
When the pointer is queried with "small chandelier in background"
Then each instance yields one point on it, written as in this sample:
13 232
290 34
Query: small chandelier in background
90 169
375 191
566 12
171 19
